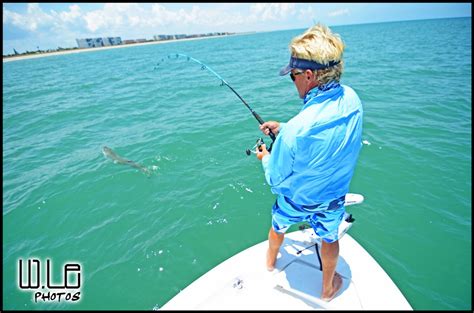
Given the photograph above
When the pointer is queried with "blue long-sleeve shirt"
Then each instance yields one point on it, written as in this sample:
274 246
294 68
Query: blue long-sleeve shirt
315 153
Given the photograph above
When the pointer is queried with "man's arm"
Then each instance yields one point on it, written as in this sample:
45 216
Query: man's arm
278 165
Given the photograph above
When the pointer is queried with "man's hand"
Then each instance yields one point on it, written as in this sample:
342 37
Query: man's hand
270 125
262 151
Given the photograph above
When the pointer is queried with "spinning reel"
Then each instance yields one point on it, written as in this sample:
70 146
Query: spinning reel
258 146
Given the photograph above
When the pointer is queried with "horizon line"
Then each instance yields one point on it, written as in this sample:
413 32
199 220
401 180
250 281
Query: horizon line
367 23
288 29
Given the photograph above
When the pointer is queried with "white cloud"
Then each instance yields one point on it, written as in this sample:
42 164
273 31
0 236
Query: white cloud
271 11
117 18
137 20
339 12
73 15
308 15
307 11
114 15
161 16
31 21
123 15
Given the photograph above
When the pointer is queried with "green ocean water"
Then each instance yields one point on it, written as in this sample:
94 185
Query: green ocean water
141 240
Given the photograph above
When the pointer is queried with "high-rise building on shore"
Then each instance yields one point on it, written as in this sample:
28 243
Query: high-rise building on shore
98 42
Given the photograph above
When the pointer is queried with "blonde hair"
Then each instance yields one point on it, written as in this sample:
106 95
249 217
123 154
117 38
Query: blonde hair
319 44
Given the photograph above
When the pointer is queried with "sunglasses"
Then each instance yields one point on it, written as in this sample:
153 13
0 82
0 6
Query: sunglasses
293 75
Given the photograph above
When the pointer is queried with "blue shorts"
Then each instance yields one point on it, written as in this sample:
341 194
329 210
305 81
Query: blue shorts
324 218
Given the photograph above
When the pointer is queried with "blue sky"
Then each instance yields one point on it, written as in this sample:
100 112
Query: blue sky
27 26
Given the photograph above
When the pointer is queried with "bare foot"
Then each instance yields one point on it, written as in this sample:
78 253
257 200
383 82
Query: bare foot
336 286
271 259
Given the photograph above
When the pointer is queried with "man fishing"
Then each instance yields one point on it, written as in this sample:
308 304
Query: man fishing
315 153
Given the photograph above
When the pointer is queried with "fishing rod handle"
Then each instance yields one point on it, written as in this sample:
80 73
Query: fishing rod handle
261 121
272 135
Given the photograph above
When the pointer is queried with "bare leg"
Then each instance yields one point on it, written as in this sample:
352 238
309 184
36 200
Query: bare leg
274 242
332 282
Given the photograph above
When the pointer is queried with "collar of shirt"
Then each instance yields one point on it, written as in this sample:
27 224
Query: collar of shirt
321 92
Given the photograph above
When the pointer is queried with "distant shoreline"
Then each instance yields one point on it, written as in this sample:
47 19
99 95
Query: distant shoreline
46 54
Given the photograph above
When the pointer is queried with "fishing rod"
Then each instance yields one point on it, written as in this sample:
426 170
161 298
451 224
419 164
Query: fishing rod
223 82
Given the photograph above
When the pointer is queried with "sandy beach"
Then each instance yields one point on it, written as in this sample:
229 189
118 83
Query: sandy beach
46 54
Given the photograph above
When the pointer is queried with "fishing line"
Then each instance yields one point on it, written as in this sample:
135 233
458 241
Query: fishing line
223 82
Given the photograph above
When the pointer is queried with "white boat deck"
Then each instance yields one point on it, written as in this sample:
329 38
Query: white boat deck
242 282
